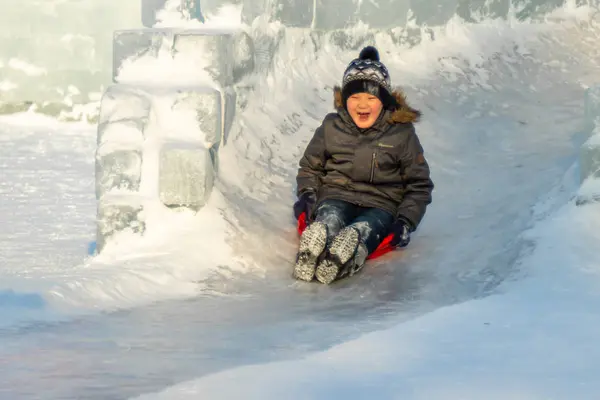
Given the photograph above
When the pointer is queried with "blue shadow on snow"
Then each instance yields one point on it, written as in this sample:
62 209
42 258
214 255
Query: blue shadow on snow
11 299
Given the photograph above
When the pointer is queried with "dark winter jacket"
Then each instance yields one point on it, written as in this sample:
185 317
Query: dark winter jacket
382 166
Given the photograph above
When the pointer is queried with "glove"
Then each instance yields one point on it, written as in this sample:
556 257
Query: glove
305 204
401 230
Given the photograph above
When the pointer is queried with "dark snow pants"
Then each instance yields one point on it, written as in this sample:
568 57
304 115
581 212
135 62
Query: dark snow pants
373 224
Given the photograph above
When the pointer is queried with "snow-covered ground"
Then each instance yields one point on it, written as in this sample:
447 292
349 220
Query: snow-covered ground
495 297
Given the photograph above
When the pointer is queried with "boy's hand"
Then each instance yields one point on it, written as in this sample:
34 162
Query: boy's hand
305 204
401 231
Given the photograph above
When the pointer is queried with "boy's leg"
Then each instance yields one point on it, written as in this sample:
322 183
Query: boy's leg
374 225
330 217
335 215
349 250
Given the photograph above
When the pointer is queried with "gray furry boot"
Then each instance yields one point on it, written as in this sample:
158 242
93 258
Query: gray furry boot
312 244
345 256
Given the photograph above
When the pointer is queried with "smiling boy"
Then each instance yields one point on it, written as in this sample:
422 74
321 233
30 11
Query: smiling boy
363 175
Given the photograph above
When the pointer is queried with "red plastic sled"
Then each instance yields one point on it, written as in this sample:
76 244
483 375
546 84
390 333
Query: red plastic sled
383 248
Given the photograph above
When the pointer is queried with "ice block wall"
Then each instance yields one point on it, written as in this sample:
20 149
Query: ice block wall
162 121
589 156
382 14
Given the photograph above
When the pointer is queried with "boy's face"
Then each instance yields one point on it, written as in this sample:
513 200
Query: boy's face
364 108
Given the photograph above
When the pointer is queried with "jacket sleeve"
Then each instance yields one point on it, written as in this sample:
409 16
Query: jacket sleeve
312 163
417 183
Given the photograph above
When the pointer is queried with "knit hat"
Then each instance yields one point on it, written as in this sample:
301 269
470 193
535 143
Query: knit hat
366 74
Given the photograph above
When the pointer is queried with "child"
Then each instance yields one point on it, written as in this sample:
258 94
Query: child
363 175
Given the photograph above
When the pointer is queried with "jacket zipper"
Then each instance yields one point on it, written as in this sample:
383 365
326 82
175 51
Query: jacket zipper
372 167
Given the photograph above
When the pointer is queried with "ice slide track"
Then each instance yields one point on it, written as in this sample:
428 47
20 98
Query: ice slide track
494 149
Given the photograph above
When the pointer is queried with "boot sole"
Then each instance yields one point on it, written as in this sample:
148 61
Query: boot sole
312 244
341 251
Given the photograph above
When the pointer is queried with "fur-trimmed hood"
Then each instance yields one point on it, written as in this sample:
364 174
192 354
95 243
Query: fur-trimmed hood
403 113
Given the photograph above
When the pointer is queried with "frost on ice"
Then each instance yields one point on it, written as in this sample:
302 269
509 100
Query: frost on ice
123 120
200 56
118 214
592 108
589 156
186 175
119 169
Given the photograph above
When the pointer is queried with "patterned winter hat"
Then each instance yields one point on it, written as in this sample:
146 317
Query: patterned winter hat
366 74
